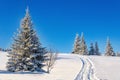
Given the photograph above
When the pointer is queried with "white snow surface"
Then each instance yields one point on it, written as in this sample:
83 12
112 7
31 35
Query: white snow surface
66 67
87 71
107 67
69 67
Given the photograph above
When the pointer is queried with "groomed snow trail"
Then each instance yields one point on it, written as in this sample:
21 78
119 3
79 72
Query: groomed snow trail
87 71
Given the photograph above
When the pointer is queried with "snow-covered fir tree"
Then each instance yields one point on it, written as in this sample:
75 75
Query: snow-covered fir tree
109 50
27 53
92 51
83 46
76 48
96 49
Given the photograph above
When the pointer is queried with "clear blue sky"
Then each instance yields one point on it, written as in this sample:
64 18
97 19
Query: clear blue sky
58 21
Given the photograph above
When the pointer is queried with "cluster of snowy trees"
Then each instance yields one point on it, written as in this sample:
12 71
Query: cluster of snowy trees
5 50
94 50
26 53
80 47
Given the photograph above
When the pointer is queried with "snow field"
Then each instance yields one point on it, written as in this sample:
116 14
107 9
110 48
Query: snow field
87 71
107 67
70 67
66 67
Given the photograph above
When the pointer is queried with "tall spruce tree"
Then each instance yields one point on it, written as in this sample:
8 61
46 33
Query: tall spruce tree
109 49
76 48
92 51
83 46
27 53
96 49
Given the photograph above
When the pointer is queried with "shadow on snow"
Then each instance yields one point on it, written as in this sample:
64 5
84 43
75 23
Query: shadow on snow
27 72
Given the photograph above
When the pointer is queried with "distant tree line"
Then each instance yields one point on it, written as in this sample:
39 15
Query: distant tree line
80 47
5 50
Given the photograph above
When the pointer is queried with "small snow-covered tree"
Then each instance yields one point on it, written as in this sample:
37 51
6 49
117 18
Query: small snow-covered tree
83 46
76 48
51 57
109 50
92 51
118 54
96 49
27 53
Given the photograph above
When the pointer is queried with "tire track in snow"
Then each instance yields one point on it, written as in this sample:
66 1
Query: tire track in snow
87 71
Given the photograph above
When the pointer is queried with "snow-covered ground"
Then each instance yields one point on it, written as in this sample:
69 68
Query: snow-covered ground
66 68
87 71
70 67
107 68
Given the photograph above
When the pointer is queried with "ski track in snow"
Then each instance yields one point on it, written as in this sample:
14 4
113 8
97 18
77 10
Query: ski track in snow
87 71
